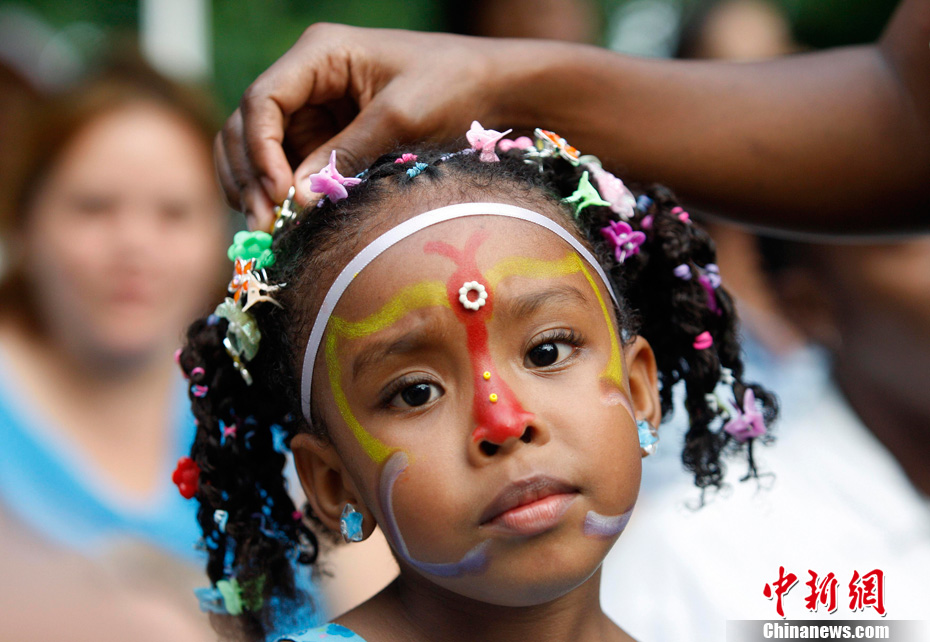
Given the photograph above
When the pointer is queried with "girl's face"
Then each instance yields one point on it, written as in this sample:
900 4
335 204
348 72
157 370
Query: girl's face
497 446
122 237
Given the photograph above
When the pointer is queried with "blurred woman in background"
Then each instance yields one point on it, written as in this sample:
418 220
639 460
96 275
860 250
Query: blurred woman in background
113 235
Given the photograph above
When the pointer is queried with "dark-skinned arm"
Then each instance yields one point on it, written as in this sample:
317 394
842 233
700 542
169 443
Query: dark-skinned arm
836 142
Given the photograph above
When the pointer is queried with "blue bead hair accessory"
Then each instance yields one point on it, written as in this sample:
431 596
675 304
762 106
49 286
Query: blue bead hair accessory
210 600
279 439
350 524
414 171
227 432
220 517
643 203
648 437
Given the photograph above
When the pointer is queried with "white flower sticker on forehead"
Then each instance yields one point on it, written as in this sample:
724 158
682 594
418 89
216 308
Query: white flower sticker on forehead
393 236
473 286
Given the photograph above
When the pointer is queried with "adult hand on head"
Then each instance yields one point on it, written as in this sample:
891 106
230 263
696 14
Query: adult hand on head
815 143
358 91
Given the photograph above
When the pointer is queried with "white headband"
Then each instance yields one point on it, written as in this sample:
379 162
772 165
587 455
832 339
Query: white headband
399 233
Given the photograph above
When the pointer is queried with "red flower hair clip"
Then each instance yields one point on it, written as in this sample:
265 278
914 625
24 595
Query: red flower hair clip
187 477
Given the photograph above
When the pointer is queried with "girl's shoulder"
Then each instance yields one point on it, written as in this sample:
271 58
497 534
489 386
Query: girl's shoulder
331 632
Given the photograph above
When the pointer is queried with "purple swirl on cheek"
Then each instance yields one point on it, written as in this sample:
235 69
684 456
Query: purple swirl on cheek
605 526
473 561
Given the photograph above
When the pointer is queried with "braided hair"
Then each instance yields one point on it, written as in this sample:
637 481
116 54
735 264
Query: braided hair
244 428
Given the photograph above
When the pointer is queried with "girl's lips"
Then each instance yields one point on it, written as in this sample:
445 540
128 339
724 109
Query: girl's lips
529 507
534 518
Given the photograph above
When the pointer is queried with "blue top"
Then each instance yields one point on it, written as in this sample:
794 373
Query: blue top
332 632
45 483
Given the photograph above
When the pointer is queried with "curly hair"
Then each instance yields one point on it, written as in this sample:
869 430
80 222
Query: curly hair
241 471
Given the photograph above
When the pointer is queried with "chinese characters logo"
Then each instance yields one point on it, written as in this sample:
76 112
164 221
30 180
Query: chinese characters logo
865 591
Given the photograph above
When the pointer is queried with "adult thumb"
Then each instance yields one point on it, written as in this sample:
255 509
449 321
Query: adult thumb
357 146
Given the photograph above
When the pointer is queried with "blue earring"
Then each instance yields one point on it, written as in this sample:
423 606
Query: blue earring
350 524
648 436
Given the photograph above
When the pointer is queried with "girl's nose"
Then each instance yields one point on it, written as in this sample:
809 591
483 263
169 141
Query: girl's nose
489 448
499 422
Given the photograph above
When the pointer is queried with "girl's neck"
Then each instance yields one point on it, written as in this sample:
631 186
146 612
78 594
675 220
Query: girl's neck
415 609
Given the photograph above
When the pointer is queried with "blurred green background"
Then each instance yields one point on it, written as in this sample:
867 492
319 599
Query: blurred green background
245 36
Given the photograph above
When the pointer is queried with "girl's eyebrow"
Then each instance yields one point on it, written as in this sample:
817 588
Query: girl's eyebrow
527 304
411 341
519 306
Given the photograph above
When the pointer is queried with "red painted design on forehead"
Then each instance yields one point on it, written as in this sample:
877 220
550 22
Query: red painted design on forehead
505 417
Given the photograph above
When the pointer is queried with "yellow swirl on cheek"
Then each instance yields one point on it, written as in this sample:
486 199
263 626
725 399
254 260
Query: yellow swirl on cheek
571 263
433 293
614 370
413 297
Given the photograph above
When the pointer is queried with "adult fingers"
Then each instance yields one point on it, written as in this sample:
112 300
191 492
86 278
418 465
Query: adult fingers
262 144
315 71
371 133
224 174
247 198
259 208
237 176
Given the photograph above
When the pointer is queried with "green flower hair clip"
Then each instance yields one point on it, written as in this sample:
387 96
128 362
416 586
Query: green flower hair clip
252 245
585 195
242 336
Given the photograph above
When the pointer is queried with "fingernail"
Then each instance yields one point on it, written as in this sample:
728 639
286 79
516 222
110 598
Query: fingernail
306 196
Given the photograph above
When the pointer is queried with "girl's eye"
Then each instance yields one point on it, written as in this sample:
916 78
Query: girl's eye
418 394
547 354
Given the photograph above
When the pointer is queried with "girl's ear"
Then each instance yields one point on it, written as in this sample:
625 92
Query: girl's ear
327 483
644 381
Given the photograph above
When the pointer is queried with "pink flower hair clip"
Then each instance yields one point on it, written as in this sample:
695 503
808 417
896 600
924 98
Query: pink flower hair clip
523 142
626 242
484 141
329 182
622 202
748 422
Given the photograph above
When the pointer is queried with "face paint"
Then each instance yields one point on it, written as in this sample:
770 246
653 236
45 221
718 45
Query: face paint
473 561
418 486
605 526
570 264
595 524
497 412
414 297
614 370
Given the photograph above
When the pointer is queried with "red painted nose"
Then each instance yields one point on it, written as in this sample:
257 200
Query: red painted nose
498 422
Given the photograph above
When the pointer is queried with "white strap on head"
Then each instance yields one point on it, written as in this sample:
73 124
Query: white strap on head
399 233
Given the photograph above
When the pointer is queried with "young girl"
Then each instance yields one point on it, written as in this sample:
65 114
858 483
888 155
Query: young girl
470 350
